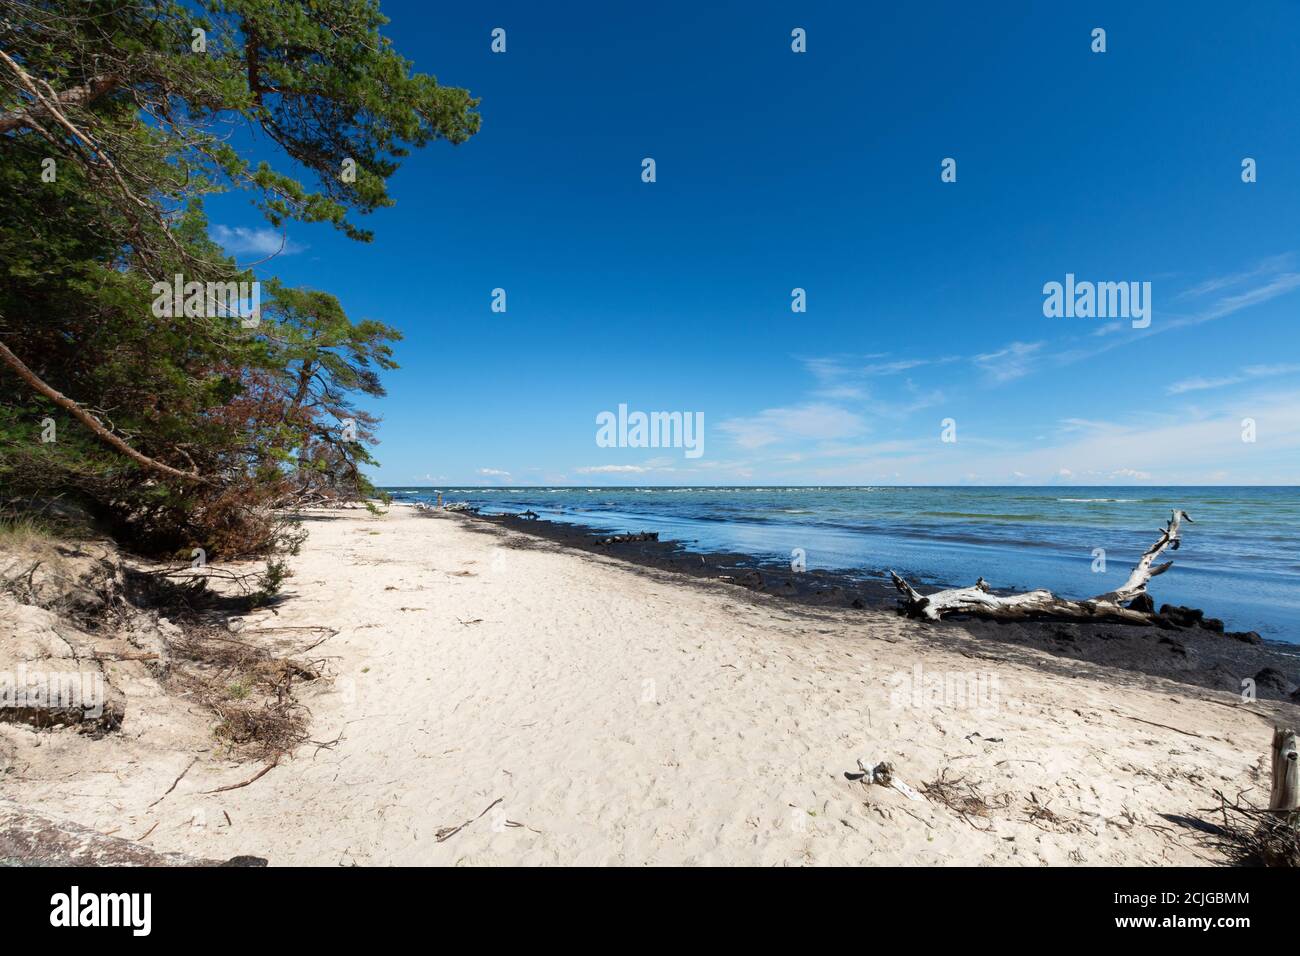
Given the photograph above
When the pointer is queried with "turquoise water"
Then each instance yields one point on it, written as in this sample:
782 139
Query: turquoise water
1240 560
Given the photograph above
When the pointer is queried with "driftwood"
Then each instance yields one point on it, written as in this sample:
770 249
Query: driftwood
1285 795
1111 606
624 538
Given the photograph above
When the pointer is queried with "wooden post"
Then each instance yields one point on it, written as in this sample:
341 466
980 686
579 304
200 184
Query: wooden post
1286 771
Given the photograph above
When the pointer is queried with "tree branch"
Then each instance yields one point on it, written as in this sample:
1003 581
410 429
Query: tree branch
980 602
96 87
90 421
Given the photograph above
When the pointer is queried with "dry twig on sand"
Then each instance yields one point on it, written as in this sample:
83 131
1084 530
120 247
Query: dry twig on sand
964 798
1045 818
250 690
253 779
1254 836
174 782
446 833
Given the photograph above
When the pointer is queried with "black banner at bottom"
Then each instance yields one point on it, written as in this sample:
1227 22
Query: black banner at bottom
330 905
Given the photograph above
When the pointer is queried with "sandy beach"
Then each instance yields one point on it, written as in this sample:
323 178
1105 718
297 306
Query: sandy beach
569 708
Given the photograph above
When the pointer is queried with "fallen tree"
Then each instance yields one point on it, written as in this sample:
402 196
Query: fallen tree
1127 604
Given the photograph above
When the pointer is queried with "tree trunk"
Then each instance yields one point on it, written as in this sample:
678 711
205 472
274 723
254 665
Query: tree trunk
1286 771
978 600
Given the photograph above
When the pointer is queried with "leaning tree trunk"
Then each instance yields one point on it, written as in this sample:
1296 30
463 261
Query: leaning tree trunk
978 601
1286 771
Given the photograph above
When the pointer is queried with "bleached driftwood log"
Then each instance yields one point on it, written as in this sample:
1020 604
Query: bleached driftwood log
1285 794
977 600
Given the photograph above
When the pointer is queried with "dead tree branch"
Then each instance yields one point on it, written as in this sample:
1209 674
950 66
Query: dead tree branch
90 421
979 601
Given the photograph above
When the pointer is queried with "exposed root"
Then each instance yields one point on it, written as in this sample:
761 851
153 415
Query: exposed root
1253 836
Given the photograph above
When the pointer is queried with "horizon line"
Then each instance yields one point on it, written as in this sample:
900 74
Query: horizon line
732 484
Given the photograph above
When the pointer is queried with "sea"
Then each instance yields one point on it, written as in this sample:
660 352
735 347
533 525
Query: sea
1239 559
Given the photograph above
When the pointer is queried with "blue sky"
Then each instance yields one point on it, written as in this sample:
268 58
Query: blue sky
821 171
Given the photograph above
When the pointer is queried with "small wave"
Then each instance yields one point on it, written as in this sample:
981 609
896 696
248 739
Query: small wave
1097 501
984 515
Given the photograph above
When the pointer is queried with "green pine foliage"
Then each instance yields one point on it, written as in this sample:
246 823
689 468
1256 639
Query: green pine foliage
190 430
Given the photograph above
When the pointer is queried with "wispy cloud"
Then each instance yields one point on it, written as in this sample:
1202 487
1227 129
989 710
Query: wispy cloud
1280 285
843 393
613 470
1247 374
241 240
813 421
1269 266
1200 384
1181 448
1009 363
893 368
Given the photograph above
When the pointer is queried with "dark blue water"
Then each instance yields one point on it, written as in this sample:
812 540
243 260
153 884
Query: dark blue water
1239 561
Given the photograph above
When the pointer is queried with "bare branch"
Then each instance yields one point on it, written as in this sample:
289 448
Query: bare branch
979 602
90 421
96 87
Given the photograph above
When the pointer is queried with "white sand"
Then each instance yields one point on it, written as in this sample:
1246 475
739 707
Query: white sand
631 717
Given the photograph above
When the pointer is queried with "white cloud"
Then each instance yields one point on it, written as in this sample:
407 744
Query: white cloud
813 421
1269 266
1009 363
1247 374
1200 384
1266 371
893 368
1175 449
494 473
612 469
1278 283
242 240
842 393
1235 303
